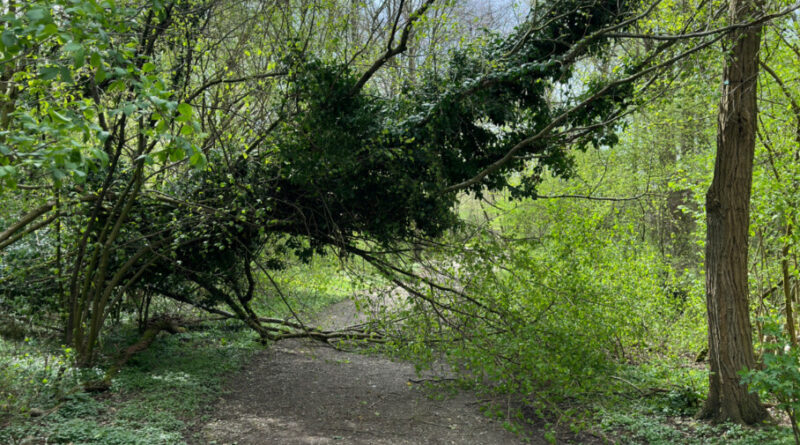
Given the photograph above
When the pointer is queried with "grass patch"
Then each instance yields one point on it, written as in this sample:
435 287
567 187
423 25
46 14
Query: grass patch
650 403
153 400
306 288
638 423
656 404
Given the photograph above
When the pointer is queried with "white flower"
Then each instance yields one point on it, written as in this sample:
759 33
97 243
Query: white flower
786 349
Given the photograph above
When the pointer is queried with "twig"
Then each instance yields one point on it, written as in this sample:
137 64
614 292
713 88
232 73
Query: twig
629 383
433 380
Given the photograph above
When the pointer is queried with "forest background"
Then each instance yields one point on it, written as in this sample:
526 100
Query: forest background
517 189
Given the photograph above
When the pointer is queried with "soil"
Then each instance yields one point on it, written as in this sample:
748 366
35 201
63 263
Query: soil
300 392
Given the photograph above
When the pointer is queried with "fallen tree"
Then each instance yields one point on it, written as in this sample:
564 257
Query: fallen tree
211 163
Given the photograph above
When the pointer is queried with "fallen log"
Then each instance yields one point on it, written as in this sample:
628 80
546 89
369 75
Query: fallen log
283 329
154 327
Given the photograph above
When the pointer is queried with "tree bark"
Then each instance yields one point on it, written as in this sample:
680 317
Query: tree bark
728 214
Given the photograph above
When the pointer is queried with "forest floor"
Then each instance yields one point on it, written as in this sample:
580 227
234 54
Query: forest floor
216 385
301 392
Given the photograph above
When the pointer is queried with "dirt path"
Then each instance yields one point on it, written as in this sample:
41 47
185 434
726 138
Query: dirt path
304 393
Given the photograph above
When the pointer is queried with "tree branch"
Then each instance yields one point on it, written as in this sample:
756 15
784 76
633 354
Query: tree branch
25 220
402 45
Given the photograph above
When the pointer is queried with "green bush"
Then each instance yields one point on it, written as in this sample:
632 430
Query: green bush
780 376
33 377
554 313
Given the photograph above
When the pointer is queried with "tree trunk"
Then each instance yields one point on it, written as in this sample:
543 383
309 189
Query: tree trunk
787 287
728 213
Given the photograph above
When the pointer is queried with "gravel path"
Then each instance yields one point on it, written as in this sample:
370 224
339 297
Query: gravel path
299 392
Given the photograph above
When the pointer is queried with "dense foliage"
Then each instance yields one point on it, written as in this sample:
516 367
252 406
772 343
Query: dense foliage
291 151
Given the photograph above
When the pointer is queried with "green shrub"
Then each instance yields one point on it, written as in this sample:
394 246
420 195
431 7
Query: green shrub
33 377
780 376
554 313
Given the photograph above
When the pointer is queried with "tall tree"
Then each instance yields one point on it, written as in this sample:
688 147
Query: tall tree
728 215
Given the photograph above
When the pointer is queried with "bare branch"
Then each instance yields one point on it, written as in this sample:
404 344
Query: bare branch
594 198
218 81
28 230
402 45
25 220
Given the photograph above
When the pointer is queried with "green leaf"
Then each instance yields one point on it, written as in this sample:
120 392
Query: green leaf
185 110
9 170
9 39
36 15
117 85
59 174
197 160
66 74
101 155
58 117
49 72
176 154
148 67
95 60
79 57
72 47
47 31
100 75
157 101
